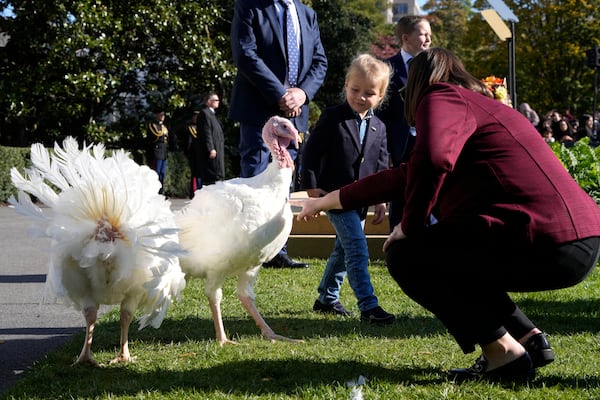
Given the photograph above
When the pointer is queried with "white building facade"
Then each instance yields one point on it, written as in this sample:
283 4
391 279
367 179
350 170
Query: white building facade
399 8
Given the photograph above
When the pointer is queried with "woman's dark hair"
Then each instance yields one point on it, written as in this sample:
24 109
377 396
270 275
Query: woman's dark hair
432 66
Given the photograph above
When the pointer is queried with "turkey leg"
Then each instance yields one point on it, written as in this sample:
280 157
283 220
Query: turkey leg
85 357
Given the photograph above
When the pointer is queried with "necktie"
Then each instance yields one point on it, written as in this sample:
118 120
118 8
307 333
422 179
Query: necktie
292 44
412 130
362 129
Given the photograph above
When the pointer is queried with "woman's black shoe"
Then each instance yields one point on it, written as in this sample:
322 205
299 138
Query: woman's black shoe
539 350
519 370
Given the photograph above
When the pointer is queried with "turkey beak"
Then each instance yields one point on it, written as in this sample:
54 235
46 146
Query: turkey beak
285 128
297 141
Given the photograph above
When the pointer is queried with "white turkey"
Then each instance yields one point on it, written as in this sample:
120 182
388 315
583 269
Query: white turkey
113 237
232 227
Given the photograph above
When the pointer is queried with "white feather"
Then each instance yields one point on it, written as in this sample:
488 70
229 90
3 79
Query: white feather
26 207
114 238
232 227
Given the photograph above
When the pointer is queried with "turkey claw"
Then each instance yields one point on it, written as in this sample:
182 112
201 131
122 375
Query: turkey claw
278 338
227 342
122 359
87 361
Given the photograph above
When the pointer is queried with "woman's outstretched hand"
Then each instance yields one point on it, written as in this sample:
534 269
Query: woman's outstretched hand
312 207
309 208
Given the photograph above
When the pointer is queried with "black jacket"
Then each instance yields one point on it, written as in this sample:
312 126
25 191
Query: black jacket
333 156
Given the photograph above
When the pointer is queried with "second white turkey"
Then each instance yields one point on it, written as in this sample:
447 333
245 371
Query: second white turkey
232 227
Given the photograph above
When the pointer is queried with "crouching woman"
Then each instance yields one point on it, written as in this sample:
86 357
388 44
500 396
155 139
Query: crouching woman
486 175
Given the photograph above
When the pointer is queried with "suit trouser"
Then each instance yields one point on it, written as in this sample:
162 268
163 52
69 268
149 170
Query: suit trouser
463 278
400 146
160 166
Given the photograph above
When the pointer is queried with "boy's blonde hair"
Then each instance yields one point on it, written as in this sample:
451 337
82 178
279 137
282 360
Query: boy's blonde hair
366 66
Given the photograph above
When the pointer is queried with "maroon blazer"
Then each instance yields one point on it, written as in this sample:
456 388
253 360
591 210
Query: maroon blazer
479 162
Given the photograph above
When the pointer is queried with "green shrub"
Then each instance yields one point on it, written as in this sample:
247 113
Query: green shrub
11 157
177 181
583 163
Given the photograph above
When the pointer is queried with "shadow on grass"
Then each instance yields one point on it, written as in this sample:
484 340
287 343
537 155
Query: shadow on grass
280 376
194 328
245 378
551 316
564 317
251 377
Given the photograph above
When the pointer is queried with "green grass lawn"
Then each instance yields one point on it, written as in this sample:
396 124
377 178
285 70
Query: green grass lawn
407 360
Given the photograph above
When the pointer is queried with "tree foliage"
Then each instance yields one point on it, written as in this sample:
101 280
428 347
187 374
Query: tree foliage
344 33
449 17
551 42
551 39
95 68
92 68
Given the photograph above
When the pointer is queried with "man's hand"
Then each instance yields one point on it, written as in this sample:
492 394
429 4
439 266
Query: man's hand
379 214
316 192
291 102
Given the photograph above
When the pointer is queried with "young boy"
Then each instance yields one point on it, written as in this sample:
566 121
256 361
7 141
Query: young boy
348 143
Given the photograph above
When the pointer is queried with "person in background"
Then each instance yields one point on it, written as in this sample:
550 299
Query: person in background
574 123
157 135
414 34
548 135
281 63
565 133
488 176
211 141
566 114
555 118
530 114
347 143
587 129
191 151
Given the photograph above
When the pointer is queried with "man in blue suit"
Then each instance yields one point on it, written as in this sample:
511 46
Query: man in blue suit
263 87
414 34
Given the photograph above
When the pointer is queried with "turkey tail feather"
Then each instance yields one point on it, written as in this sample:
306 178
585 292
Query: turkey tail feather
106 217
40 159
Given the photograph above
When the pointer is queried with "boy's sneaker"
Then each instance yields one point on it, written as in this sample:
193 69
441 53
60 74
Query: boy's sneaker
377 316
336 308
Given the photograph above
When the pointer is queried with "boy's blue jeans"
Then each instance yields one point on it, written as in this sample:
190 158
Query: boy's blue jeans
350 256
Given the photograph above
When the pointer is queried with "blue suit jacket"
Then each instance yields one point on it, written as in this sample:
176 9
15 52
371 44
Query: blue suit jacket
332 155
259 53
392 114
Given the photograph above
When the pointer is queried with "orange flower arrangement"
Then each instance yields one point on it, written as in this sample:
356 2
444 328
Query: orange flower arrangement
498 88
